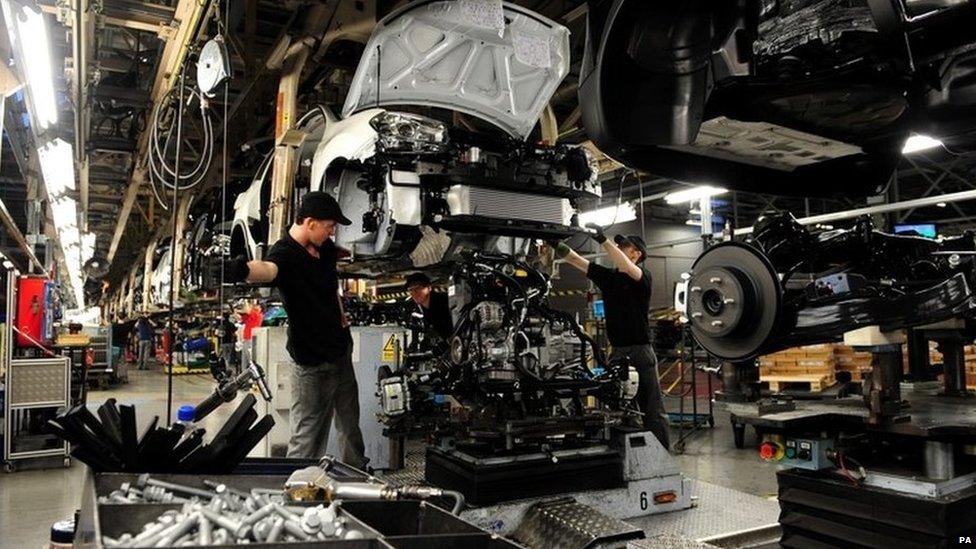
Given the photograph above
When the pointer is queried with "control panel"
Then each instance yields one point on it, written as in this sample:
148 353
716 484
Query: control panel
803 453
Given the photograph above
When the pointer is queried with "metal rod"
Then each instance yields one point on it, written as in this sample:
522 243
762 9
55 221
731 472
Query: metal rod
172 246
960 196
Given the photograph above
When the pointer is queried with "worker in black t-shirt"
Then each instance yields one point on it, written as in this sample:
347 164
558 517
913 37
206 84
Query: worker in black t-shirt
626 299
434 305
303 267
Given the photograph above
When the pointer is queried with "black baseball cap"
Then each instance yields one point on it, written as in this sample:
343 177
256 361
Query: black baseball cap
634 241
321 205
417 279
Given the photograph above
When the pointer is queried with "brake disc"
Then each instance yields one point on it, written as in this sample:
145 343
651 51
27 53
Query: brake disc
734 301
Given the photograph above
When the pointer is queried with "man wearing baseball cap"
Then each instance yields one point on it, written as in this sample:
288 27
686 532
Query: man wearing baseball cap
302 265
627 298
435 307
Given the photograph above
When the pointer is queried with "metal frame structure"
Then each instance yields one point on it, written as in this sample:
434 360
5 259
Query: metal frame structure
11 407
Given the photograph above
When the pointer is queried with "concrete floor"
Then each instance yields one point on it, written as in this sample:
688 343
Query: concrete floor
30 501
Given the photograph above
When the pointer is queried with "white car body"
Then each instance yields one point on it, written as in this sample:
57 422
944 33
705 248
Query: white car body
501 66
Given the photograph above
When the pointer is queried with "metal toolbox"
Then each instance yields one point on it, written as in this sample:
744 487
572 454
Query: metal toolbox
387 524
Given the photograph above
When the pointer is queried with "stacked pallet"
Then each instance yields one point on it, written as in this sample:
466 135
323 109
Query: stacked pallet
812 365
855 363
969 355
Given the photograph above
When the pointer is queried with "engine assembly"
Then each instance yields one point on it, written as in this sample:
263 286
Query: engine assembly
517 374
788 285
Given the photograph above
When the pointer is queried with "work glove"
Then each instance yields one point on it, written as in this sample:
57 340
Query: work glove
559 248
597 233
236 270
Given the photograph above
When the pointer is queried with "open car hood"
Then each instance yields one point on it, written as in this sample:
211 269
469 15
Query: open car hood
499 62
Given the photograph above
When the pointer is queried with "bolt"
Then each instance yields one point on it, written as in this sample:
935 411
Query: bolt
696 314
311 523
696 288
236 528
239 493
259 514
220 536
728 301
206 530
262 528
145 479
178 530
286 514
717 323
152 529
294 528
715 280
276 527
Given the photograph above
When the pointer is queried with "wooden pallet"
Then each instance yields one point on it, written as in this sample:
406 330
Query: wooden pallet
815 382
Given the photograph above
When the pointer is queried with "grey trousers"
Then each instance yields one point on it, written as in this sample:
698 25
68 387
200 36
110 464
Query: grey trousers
649 397
318 394
145 353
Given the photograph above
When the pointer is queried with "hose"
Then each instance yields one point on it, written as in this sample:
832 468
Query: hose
458 498
161 139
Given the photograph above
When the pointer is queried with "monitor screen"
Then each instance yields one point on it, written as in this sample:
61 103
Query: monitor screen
921 229
598 308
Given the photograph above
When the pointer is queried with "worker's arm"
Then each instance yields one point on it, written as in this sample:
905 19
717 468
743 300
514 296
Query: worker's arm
564 252
261 272
621 261
617 257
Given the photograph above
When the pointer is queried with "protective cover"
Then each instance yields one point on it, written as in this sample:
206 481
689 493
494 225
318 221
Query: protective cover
497 61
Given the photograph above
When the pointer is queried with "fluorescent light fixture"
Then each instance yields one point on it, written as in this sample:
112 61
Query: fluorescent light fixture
694 193
58 166
27 24
919 142
87 246
609 215
941 204
694 222
65 212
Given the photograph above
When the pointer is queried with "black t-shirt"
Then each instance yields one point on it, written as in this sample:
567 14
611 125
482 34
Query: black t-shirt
626 302
438 316
228 331
309 288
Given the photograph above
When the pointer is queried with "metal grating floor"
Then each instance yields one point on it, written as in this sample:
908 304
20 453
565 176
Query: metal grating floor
718 510
413 468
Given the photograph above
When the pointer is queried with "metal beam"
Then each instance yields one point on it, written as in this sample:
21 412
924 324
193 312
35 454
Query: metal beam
962 196
14 231
188 14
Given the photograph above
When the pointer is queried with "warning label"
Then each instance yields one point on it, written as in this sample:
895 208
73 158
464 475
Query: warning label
389 349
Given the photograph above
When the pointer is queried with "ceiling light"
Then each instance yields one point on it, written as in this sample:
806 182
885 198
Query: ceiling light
58 166
920 142
941 204
64 210
694 222
694 193
87 246
29 29
609 215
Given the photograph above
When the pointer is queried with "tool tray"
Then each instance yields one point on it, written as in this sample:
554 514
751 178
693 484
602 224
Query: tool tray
387 524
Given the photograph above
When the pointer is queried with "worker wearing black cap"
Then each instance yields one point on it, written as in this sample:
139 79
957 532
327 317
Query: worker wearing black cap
302 265
626 299
435 307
